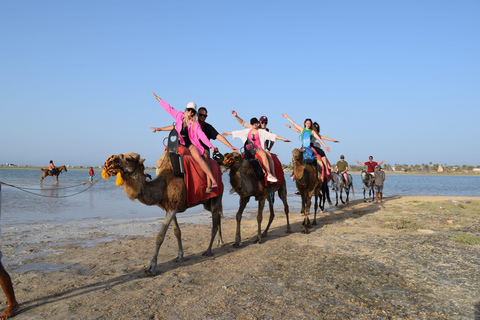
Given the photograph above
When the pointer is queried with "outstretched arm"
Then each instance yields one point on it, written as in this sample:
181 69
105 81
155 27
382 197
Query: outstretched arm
225 142
293 128
317 136
282 139
329 139
168 128
225 133
360 163
156 96
383 161
292 122
240 120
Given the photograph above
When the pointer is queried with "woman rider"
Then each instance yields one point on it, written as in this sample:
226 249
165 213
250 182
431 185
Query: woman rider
316 140
258 138
190 133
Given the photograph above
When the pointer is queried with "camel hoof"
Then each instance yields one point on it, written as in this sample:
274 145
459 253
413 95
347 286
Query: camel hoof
264 234
314 223
289 230
179 259
236 245
305 231
207 253
150 272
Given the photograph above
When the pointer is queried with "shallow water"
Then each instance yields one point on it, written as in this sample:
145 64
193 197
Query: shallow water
38 219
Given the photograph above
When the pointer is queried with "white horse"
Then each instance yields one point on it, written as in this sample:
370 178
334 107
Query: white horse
368 185
340 185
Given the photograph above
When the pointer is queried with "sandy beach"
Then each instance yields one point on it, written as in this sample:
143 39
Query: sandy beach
406 258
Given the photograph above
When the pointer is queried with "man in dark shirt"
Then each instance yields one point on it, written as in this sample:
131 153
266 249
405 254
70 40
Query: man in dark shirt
210 132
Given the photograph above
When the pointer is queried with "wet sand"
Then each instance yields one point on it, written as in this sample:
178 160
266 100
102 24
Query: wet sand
400 259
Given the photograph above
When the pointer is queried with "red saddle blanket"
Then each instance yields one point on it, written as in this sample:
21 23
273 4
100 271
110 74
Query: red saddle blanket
196 179
278 169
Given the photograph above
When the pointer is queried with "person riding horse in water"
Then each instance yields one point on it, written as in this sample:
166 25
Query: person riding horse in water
52 168
341 168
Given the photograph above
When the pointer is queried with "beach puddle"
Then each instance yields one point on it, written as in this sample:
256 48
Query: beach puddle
43 267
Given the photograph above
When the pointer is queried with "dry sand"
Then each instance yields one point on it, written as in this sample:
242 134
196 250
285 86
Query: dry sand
395 260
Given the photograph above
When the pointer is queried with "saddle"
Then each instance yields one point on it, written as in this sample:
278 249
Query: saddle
184 166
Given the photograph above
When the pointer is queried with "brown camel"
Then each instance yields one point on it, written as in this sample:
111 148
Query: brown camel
166 191
246 185
308 185
47 172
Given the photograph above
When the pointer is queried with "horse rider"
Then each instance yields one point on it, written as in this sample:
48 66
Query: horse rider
52 168
341 168
371 165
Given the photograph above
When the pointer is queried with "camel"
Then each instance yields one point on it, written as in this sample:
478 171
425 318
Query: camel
308 184
368 185
340 185
246 185
47 172
166 191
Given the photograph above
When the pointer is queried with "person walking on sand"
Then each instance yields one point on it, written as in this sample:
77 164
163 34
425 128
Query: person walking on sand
190 134
371 165
379 179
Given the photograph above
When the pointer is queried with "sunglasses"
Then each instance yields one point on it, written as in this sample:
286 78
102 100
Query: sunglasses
253 137
192 110
202 115
263 122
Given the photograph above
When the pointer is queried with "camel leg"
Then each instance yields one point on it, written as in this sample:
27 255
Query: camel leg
315 207
261 205
243 204
272 214
178 235
306 220
160 237
216 221
282 193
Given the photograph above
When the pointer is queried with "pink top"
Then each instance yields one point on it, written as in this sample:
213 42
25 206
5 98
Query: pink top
195 132
255 140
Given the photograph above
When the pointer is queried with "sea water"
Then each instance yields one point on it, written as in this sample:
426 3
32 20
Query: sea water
36 218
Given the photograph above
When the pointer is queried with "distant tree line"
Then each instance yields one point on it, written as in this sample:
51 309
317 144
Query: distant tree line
419 168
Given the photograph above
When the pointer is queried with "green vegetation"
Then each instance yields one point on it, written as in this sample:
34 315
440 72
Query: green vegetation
466 239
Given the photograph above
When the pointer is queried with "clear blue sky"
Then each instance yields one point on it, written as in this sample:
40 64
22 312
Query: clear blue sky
399 80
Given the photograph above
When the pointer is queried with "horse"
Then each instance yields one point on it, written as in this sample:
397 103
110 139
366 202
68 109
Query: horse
57 171
367 184
339 185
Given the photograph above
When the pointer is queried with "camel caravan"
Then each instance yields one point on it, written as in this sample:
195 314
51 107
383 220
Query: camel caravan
186 175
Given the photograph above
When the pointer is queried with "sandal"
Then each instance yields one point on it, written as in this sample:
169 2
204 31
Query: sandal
214 185
208 190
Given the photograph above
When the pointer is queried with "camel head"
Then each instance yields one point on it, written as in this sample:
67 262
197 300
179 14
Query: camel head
298 163
129 169
297 155
231 158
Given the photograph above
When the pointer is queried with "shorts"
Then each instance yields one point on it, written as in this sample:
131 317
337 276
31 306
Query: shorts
379 188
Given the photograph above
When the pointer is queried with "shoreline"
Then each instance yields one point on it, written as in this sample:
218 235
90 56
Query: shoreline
362 260
286 171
